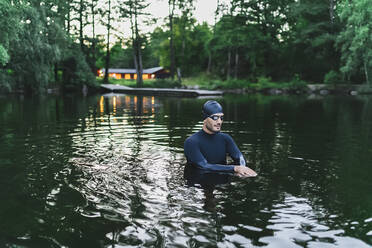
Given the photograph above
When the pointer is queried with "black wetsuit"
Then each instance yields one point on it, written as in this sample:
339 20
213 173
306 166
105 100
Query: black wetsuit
208 151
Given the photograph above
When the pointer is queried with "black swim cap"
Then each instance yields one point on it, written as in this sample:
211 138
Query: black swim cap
210 108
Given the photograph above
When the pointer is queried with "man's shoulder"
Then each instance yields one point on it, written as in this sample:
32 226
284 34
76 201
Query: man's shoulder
193 138
224 135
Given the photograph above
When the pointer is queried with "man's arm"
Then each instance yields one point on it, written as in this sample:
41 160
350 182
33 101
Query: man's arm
238 158
194 155
234 152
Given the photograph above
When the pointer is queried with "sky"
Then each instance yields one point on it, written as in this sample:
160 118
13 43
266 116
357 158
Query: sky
204 12
204 9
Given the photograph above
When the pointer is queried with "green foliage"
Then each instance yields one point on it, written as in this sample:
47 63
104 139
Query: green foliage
121 57
252 44
34 42
311 39
189 42
4 56
232 84
5 82
355 39
263 83
76 71
332 77
10 27
296 83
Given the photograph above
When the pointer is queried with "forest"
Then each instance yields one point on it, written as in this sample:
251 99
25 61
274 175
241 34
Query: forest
54 43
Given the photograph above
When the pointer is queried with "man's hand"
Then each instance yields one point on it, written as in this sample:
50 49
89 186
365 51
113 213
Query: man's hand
244 171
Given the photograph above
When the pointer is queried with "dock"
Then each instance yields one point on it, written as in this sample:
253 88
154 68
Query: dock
159 91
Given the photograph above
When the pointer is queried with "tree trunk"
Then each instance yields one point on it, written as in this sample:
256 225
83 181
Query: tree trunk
209 68
68 17
228 64
139 69
134 41
172 65
135 57
93 40
236 64
331 10
81 10
171 42
56 72
179 76
366 72
107 64
209 63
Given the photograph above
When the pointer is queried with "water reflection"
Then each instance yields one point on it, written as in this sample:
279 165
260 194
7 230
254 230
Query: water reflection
108 171
208 181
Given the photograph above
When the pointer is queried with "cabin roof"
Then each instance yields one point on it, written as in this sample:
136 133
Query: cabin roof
153 70
120 70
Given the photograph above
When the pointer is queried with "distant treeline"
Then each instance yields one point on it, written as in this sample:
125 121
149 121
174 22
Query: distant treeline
45 43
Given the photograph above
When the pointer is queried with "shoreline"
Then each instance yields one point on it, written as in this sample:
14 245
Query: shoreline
309 89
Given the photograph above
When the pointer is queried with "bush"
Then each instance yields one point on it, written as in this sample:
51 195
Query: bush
265 83
5 87
332 77
5 82
296 83
76 71
231 84
165 83
203 81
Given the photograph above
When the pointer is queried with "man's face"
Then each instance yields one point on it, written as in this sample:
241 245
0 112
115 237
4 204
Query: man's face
214 122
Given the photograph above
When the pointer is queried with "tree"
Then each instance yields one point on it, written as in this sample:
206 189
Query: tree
108 26
121 57
248 38
186 21
311 39
133 10
10 26
171 9
355 39
191 41
34 54
94 40
209 42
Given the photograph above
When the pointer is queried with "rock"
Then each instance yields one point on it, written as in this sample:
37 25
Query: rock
324 92
353 92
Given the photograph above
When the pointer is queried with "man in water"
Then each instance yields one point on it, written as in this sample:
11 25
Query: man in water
207 149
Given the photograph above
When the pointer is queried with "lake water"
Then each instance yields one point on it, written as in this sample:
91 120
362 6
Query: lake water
108 171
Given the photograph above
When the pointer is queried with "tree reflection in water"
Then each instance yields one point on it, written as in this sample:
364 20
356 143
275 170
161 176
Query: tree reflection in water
207 180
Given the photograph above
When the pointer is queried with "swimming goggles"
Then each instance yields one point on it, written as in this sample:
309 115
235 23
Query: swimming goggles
215 117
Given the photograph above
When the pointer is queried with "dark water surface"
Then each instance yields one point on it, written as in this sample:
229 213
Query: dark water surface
108 171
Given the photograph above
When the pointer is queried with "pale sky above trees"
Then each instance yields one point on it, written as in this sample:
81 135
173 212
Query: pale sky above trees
158 9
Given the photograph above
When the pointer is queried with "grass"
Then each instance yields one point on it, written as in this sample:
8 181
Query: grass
262 83
208 82
149 83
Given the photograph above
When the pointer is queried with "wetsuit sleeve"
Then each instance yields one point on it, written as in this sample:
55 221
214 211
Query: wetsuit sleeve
195 157
234 152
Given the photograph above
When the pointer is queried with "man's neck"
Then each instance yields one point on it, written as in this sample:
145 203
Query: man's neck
206 130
